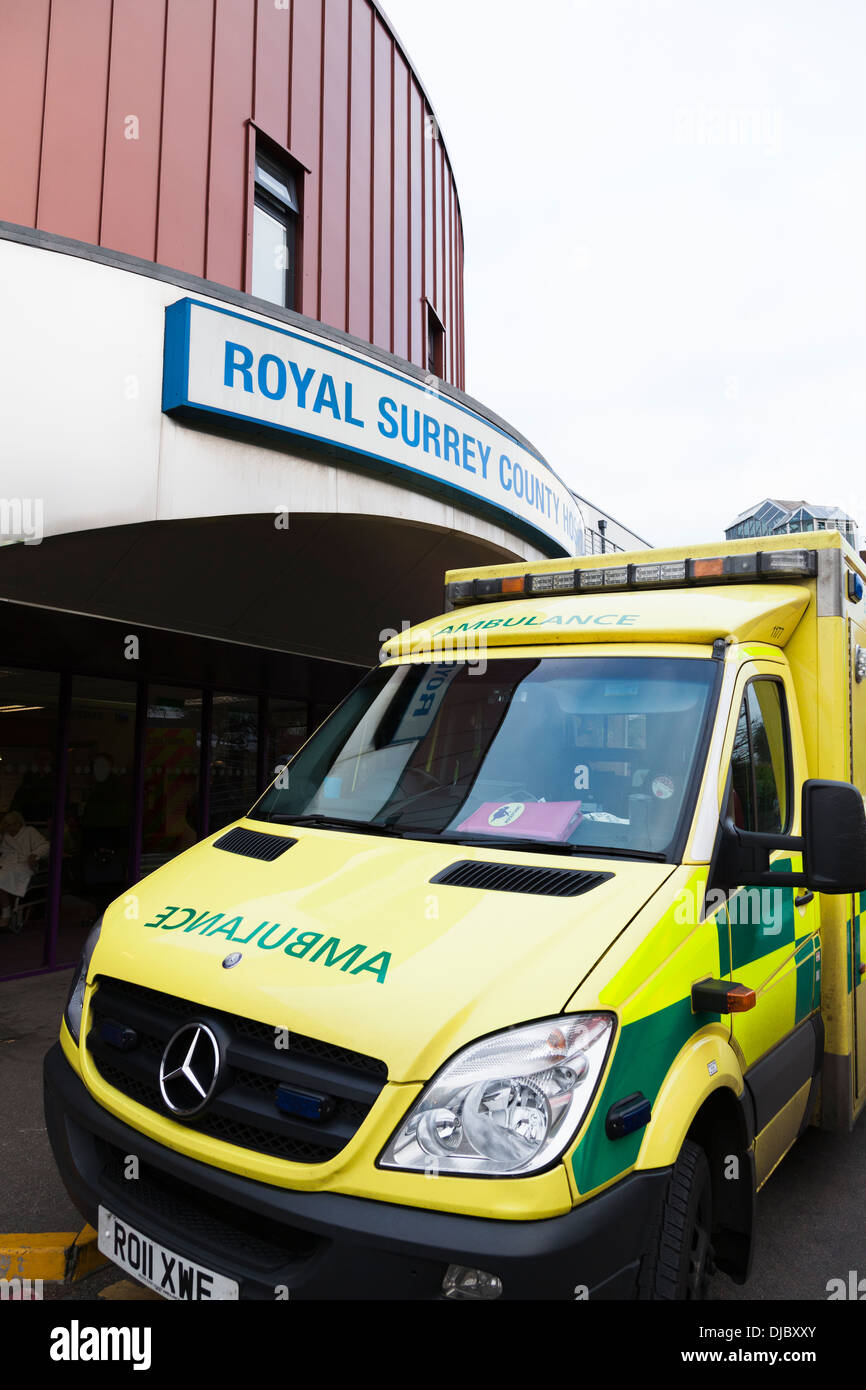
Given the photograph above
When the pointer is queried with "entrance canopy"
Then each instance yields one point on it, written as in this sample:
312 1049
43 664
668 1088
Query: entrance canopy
323 585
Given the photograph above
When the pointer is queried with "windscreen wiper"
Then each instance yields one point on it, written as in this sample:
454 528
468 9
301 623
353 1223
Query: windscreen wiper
539 846
322 822
518 842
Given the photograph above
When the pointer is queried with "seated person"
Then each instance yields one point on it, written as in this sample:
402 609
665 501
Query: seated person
21 849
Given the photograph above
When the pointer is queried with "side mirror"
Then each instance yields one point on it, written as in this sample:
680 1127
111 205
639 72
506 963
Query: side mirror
833 845
834 837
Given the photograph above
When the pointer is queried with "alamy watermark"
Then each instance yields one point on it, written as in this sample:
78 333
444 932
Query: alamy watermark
750 907
21 519
715 127
437 648
21 1290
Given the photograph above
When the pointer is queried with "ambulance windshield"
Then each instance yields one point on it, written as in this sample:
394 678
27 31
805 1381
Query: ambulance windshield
565 752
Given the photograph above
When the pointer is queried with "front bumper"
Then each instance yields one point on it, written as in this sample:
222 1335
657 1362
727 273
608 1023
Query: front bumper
322 1245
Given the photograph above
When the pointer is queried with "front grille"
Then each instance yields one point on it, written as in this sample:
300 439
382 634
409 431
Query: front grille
519 878
199 1215
243 1109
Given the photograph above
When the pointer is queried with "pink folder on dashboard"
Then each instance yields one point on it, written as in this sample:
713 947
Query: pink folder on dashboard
539 820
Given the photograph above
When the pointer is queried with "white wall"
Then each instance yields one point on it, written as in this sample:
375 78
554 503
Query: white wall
82 430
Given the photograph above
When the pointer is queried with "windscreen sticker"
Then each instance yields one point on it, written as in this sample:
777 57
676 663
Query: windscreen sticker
311 946
663 787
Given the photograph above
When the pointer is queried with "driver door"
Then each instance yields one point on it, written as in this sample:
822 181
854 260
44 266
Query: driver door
775 943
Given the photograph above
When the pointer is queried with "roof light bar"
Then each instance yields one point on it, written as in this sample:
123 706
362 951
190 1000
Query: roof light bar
768 564
565 582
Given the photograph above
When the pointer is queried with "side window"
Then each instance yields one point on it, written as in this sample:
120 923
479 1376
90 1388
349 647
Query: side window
741 806
769 755
760 760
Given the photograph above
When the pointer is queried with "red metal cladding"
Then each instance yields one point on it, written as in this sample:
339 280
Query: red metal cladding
441 252
430 146
73 124
400 241
305 141
133 126
360 165
227 206
273 59
416 224
334 191
383 204
23 55
182 226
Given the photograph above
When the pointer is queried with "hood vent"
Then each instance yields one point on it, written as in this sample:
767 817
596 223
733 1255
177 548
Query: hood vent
519 878
254 844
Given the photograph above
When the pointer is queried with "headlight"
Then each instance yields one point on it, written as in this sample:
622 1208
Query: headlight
75 1002
509 1105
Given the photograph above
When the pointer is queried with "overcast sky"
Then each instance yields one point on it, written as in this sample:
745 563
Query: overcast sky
664 212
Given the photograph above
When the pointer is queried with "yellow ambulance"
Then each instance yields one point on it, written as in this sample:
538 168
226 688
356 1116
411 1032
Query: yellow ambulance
526 971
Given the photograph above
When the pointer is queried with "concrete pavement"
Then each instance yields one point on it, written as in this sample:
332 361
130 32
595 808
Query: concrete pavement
32 1197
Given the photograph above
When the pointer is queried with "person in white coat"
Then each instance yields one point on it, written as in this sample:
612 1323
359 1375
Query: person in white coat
21 848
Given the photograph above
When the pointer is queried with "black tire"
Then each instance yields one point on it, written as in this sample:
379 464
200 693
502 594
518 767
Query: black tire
678 1263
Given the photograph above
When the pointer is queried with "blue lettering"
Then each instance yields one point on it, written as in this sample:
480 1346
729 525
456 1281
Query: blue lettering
416 426
452 444
242 365
349 417
387 425
326 396
302 383
469 453
431 435
504 462
484 455
280 389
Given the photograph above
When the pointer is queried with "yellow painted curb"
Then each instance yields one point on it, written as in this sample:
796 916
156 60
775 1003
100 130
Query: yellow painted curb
35 1256
63 1255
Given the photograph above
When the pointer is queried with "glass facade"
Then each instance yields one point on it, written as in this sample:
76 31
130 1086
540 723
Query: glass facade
103 779
234 748
172 766
772 519
29 702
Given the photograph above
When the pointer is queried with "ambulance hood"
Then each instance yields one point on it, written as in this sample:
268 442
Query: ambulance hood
345 938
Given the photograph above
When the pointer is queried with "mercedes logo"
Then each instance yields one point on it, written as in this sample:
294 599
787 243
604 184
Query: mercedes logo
189 1069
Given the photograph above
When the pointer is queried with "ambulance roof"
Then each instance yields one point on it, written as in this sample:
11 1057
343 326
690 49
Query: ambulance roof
741 613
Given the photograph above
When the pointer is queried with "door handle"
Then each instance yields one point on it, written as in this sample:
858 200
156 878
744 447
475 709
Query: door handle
804 898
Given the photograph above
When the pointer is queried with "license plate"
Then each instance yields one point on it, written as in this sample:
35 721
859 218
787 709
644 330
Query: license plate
152 1264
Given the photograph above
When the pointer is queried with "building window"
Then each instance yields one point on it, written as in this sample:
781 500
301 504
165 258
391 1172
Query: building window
172 760
435 343
233 758
275 232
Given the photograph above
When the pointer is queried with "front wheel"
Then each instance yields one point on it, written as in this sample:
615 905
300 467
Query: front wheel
678 1263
